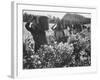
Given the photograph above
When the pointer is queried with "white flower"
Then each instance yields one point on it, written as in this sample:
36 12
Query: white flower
82 53
32 56
83 58
39 62
55 42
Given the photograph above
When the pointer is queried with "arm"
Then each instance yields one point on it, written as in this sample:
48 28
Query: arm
27 26
53 27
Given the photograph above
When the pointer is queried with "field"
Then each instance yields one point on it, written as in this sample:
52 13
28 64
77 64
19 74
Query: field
73 52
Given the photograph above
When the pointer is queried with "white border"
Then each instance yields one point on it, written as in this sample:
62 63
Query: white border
18 71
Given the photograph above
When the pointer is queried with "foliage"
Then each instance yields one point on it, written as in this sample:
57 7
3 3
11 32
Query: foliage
75 52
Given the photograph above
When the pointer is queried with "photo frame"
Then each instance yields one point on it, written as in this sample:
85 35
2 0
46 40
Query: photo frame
52 40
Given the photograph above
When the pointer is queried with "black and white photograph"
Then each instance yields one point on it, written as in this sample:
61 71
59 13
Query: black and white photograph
56 39
50 40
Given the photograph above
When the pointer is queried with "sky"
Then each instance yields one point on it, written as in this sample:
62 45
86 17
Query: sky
56 14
